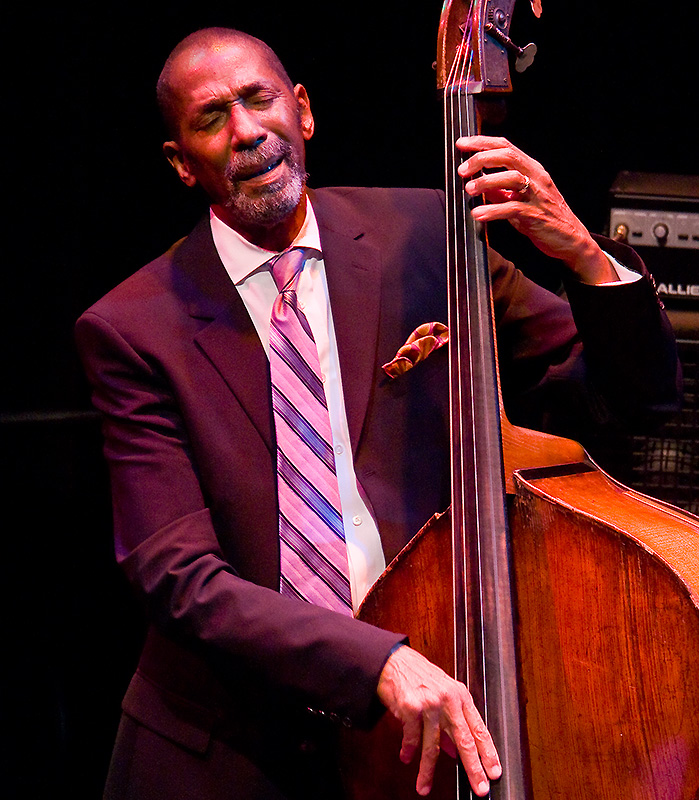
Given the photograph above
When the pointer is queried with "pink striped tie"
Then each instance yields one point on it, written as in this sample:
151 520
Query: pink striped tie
312 539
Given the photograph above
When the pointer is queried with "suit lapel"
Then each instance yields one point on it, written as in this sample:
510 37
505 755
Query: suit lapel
354 284
229 340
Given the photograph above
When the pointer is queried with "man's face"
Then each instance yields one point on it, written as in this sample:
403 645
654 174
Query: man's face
242 130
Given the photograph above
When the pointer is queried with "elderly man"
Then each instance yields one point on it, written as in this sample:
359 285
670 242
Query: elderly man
253 657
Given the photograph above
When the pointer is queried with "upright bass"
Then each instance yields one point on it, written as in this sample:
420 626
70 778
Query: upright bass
569 604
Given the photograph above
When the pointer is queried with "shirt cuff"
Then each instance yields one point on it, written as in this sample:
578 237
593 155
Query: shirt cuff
624 274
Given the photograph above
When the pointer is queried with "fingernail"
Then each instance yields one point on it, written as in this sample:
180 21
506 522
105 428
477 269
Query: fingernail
483 787
471 187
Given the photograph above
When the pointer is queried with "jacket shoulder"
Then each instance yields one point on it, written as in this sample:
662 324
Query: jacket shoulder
190 271
376 202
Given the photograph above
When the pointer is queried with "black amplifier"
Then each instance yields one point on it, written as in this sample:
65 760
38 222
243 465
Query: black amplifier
658 215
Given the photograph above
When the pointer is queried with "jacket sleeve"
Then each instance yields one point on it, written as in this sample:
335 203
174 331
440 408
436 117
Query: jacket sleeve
601 356
168 547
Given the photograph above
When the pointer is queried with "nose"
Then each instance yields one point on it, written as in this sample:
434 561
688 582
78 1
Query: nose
246 131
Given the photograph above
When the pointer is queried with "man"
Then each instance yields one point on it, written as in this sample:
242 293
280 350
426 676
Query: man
240 689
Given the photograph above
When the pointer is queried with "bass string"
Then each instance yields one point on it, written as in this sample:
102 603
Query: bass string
460 121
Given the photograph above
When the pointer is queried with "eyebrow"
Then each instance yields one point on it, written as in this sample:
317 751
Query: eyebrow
244 92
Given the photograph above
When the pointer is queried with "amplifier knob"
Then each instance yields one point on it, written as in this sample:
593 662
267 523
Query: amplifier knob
661 231
621 233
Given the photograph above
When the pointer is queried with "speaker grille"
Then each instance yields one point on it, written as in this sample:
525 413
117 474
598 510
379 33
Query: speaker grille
666 465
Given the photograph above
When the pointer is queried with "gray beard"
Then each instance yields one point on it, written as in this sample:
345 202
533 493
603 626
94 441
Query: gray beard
276 200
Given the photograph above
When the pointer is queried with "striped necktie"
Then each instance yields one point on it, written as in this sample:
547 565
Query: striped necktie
312 539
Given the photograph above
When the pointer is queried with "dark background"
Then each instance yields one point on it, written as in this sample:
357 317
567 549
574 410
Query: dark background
91 199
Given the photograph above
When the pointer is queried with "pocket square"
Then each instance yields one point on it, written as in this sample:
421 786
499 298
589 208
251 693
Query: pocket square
425 339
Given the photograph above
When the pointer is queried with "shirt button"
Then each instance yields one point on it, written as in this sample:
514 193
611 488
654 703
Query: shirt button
357 520
339 450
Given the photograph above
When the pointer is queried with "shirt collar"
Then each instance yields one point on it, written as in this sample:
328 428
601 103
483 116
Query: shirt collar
241 258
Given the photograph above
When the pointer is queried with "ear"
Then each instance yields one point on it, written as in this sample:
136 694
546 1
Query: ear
304 105
173 153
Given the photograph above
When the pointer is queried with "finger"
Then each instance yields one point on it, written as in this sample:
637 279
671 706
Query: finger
505 156
509 180
412 736
485 752
465 727
470 758
482 740
509 209
494 162
431 747
480 142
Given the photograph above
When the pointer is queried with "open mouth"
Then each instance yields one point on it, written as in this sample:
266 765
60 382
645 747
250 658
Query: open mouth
260 171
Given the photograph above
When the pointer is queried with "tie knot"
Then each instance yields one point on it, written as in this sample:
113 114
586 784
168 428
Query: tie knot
287 266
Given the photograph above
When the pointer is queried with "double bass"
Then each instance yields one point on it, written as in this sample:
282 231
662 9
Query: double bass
567 602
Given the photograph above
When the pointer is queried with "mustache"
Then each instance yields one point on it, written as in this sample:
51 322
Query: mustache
249 162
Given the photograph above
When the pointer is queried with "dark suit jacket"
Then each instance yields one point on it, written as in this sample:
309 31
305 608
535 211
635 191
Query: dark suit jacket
183 383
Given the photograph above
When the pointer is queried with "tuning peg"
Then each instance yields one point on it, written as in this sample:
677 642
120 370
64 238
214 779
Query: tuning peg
525 55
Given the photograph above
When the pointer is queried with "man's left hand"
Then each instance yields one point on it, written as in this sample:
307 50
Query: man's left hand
517 188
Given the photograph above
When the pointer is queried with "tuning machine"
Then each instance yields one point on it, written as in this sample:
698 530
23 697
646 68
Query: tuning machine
524 56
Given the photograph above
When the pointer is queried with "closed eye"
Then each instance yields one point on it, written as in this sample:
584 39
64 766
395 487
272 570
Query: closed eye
212 119
260 99
213 115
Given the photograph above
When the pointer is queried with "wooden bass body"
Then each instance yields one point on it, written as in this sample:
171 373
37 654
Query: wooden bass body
567 602
606 599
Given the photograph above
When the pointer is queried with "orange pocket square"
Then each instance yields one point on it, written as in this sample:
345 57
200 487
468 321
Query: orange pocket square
422 341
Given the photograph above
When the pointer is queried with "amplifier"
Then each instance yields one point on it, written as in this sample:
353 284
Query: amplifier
658 215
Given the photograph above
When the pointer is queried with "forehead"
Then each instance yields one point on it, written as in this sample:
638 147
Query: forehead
225 69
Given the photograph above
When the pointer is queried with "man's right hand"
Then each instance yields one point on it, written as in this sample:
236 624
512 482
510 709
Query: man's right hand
437 713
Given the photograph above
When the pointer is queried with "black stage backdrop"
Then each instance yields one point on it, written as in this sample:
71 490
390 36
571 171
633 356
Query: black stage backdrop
91 199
